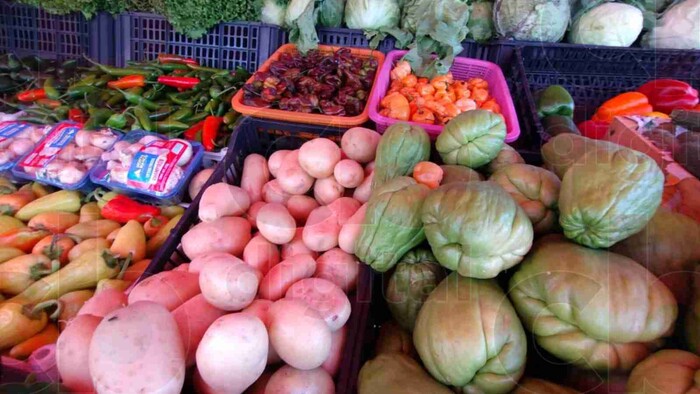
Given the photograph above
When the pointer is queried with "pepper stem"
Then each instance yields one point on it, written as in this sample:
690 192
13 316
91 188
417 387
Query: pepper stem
37 271
125 265
42 306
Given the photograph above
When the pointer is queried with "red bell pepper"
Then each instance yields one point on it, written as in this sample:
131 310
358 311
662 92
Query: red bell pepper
665 95
210 131
31 95
77 115
630 103
594 129
128 82
178 82
121 209
168 58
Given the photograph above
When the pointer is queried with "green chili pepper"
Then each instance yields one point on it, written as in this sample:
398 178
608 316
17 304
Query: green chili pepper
120 72
98 116
115 98
50 89
117 121
139 100
77 92
161 113
215 91
171 126
61 111
142 116
216 71
102 81
136 125
223 82
181 114
197 117
221 109
181 98
94 98
172 66
154 93
203 99
87 80
230 117
41 112
211 106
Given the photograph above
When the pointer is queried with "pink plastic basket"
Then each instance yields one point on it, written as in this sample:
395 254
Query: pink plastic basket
462 69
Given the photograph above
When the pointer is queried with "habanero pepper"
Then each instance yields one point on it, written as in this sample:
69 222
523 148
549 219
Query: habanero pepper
121 209
31 95
179 82
665 95
130 81
210 131
630 103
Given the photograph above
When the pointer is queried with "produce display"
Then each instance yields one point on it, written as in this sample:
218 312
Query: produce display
16 140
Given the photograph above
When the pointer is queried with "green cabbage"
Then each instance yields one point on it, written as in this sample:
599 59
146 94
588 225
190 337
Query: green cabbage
481 21
534 20
377 18
609 24
678 27
273 11
299 19
329 13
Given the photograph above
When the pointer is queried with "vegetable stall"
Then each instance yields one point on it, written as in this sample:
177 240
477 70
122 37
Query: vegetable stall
345 196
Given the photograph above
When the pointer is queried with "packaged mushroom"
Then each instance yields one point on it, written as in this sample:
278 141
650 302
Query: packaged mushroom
16 140
149 166
64 157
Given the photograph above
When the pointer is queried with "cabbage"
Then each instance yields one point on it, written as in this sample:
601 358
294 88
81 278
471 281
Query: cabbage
481 21
299 19
273 11
678 27
377 18
329 13
532 20
610 24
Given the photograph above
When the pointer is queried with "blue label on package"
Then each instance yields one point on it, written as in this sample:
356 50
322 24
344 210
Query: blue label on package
142 167
12 129
65 138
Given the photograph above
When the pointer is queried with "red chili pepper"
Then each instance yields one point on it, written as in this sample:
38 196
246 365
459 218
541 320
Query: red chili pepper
77 115
31 95
168 58
594 129
665 95
122 209
128 82
178 82
210 131
191 133
49 103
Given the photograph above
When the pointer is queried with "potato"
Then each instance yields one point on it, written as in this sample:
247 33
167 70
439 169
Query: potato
104 302
228 235
297 246
252 213
292 178
276 224
321 231
327 190
193 318
360 144
222 199
350 231
261 254
332 363
137 348
338 267
275 284
200 386
167 288
72 350
229 286
318 157
299 334
260 309
300 207
364 191
289 380
275 161
272 192
199 262
233 353
255 176
349 173
343 209
325 297
198 182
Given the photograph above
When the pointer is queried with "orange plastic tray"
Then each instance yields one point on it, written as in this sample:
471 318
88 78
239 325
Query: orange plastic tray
298 117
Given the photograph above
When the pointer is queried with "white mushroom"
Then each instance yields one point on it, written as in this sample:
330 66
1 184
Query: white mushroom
21 146
82 137
5 143
5 157
89 163
173 179
119 174
38 133
88 152
120 146
147 139
72 173
68 152
103 139
187 155
53 169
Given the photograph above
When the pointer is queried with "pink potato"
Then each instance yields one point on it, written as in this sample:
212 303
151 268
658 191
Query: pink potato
289 380
325 297
198 182
192 319
261 254
104 302
338 267
321 230
364 191
349 173
252 214
228 235
222 199
168 288
318 157
300 207
299 334
255 176
275 161
351 230
199 262
297 246
137 348
233 353
72 353
229 286
260 309
360 144
272 192
275 284
369 168
184 267
343 208
327 190
276 224
292 178
332 363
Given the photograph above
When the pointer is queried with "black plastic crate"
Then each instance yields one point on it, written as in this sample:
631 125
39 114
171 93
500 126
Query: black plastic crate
27 30
264 137
142 36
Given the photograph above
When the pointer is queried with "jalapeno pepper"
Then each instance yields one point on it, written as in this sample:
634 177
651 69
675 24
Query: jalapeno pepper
120 72
98 117
117 121
50 89
178 82
181 98
79 91
31 95
210 131
230 117
121 209
139 100
142 116
181 114
154 93
130 81
171 126
197 117
161 114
